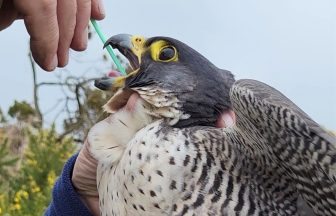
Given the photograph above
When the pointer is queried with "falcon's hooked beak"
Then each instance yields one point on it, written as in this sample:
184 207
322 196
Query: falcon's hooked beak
132 48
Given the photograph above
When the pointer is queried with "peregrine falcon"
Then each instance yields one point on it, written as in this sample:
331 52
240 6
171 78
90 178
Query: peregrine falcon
162 152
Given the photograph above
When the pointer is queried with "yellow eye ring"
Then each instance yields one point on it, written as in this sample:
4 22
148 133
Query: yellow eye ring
163 51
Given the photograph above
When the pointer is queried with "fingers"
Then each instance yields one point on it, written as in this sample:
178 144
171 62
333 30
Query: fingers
97 10
85 10
66 10
54 26
79 41
42 25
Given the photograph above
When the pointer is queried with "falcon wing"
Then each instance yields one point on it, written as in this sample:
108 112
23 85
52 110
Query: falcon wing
289 140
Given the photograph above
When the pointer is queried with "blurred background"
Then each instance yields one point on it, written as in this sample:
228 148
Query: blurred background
290 45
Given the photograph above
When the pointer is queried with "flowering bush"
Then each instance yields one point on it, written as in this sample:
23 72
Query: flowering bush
28 191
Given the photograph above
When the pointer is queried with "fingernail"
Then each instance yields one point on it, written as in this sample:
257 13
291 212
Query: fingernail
101 7
64 60
53 64
228 120
80 43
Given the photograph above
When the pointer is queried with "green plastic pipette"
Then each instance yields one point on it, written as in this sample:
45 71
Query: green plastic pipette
116 61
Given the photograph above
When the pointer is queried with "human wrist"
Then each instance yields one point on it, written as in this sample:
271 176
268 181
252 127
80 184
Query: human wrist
91 203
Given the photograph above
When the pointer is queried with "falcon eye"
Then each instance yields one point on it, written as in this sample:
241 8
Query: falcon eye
167 54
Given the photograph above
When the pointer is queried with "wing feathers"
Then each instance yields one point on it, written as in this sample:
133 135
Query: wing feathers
291 139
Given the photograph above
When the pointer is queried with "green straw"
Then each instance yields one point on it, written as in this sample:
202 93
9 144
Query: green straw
109 48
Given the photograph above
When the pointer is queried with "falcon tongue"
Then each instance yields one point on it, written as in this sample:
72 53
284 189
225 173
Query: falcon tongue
114 73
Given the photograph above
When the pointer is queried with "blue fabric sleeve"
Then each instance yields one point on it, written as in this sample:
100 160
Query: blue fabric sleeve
65 200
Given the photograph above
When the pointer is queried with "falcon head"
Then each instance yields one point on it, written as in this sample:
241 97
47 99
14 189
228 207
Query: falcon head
175 82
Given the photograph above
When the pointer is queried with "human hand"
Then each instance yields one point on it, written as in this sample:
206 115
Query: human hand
54 26
84 179
115 130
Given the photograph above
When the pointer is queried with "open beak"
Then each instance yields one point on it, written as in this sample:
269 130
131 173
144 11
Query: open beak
132 47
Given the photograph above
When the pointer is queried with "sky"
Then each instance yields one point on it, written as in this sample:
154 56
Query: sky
290 45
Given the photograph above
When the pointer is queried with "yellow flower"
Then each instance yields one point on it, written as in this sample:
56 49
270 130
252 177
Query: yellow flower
32 162
15 207
68 155
51 178
19 195
25 194
0 210
35 189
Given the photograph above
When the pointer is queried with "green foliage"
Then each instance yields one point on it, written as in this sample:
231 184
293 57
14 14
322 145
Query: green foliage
2 117
21 110
29 191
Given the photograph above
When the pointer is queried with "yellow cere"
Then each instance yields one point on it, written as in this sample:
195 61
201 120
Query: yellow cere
156 49
138 48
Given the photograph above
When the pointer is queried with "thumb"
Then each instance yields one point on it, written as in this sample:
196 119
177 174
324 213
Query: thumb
84 179
84 173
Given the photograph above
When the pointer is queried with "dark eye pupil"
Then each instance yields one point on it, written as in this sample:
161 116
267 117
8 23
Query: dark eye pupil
167 53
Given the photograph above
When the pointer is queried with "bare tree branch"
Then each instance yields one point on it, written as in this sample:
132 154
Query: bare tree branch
52 84
35 91
78 100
